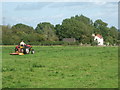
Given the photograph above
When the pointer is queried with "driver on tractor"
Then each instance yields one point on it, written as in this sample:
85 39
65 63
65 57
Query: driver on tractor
22 43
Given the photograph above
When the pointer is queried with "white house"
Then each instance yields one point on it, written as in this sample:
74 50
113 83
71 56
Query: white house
98 38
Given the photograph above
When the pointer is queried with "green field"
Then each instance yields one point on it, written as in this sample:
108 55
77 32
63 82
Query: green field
61 67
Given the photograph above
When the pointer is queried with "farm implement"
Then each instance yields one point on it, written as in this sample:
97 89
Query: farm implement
23 49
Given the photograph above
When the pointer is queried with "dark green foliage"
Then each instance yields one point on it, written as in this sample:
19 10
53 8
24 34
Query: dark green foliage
23 28
47 30
18 32
99 23
79 27
94 43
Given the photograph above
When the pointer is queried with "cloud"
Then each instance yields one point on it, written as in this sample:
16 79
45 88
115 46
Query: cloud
41 5
33 21
1 13
66 4
55 12
32 5
108 13
60 0
100 3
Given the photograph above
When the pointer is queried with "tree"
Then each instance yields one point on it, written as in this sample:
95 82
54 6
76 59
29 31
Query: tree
83 19
6 35
113 32
99 23
22 28
101 28
47 30
78 27
18 32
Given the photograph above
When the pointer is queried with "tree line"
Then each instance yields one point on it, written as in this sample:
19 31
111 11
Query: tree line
79 27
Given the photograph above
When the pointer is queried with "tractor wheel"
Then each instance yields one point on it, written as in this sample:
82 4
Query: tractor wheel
22 50
26 51
32 51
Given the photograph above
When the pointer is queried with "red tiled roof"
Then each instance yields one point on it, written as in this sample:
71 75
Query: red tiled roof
98 35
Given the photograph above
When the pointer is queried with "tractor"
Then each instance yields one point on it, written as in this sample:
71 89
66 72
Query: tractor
23 49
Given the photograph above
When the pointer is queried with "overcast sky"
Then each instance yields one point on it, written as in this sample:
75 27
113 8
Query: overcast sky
32 13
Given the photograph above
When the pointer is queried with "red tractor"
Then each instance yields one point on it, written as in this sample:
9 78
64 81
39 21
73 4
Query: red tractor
26 49
23 49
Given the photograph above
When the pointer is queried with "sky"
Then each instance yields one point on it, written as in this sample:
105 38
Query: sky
33 13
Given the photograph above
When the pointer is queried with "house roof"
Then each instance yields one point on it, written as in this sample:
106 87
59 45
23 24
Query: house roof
100 36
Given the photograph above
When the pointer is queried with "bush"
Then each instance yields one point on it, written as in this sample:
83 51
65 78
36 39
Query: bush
94 43
48 43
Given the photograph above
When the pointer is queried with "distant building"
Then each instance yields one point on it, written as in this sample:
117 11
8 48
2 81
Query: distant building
98 38
69 40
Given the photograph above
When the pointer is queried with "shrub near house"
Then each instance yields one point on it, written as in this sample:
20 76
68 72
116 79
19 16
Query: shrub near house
69 40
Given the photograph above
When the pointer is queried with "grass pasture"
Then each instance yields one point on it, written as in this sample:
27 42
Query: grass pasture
61 67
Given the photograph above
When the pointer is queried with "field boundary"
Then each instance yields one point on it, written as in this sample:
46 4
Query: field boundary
56 45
